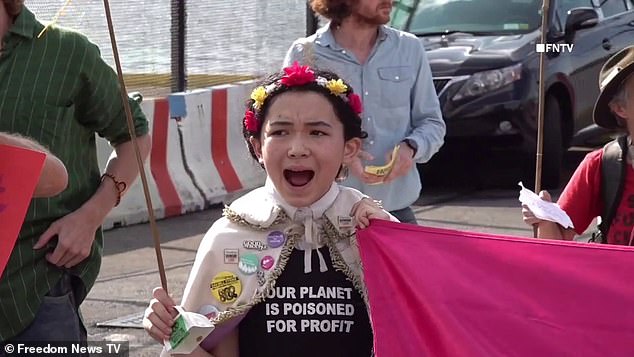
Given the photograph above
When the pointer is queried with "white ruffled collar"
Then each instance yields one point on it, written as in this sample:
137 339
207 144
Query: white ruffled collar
318 208
268 204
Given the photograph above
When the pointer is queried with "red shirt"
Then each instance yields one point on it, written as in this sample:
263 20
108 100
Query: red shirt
581 199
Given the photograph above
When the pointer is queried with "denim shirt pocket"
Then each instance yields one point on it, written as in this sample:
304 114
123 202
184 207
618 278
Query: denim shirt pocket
396 83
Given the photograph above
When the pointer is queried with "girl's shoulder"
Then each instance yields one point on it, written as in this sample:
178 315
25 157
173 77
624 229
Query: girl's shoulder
346 198
257 210
246 219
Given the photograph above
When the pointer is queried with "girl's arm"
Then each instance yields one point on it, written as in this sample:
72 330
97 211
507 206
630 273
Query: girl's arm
367 209
228 347
159 319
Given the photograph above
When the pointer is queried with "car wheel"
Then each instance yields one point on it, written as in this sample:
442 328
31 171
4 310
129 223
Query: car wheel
553 149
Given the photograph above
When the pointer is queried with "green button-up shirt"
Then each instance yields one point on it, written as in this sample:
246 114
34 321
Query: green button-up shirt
57 90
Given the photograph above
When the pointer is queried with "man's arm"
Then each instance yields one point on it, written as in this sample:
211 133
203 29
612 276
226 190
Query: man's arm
99 107
123 166
428 125
54 178
76 231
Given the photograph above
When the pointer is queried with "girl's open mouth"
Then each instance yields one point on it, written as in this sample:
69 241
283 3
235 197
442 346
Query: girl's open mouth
298 178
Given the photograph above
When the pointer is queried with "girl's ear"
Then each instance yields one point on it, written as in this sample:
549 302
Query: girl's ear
257 148
618 110
350 150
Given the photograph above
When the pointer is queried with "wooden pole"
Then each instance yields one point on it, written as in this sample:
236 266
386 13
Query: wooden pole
540 110
139 159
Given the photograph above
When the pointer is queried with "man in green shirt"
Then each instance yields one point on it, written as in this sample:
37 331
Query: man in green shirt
58 91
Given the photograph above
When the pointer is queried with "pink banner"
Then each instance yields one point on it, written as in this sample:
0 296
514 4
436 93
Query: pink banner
19 173
437 292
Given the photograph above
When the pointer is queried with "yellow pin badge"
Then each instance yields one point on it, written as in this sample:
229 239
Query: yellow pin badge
226 287
385 169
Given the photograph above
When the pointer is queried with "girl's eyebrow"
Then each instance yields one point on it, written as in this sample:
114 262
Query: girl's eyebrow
280 123
319 123
316 123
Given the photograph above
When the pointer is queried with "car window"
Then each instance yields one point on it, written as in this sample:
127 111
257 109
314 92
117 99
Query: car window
401 12
612 7
495 16
563 6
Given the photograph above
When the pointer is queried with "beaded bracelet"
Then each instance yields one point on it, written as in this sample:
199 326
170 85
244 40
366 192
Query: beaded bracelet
120 186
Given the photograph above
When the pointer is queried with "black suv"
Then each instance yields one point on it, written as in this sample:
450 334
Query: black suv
485 67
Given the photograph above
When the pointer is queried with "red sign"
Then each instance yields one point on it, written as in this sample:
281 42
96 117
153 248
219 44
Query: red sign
19 173
437 292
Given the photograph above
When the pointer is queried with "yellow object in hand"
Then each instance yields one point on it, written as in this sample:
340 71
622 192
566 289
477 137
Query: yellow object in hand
385 169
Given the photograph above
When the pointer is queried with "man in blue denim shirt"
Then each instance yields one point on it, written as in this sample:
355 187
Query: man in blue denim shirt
389 69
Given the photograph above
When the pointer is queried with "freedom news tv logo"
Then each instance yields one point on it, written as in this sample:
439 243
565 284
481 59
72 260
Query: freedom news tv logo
554 47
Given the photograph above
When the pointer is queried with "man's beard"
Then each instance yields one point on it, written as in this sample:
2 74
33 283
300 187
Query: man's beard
375 20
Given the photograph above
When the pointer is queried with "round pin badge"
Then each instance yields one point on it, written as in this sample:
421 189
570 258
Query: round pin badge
267 262
276 239
209 311
226 287
248 263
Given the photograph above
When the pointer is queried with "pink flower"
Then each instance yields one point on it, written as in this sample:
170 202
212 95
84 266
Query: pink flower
355 103
250 122
297 75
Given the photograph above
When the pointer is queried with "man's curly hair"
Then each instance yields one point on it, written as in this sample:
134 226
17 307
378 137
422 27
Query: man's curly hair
13 7
334 10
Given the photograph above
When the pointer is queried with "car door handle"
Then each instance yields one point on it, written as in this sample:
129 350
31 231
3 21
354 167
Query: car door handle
606 44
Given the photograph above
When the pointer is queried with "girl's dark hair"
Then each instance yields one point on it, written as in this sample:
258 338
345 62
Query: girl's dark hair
13 7
343 110
333 10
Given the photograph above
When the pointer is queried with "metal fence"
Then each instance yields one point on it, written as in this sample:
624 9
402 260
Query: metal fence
214 42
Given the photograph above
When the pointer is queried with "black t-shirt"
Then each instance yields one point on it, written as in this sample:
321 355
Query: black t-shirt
314 314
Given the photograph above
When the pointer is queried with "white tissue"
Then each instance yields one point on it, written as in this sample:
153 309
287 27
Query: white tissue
549 211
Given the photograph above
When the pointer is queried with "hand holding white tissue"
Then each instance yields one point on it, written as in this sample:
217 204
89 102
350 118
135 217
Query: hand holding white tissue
549 211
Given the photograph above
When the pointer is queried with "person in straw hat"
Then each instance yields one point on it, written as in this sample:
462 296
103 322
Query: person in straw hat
583 198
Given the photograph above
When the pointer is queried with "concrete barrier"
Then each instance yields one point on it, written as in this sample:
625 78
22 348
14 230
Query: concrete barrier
198 155
250 174
171 191
195 126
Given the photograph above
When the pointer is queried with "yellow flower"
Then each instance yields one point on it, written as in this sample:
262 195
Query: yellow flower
336 87
259 95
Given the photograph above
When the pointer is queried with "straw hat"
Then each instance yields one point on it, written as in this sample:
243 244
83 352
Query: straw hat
612 75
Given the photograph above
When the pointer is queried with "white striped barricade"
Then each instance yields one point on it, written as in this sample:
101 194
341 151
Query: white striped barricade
195 125
238 170
249 172
176 188
170 187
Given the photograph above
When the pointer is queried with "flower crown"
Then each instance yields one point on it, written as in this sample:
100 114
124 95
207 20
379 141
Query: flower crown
297 75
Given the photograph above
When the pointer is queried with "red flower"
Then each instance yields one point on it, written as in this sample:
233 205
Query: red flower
355 103
297 75
250 122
